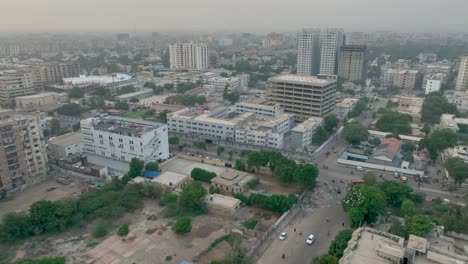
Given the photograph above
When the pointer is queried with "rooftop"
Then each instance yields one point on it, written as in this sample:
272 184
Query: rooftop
308 124
130 95
41 95
128 126
417 243
347 102
66 139
169 178
307 80
222 200
232 177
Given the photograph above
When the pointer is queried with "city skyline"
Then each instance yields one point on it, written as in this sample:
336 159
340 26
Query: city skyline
107 15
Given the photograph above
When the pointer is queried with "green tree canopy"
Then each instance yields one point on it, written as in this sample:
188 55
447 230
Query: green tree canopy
183 225
457 169
149 85
192 197
136 167
419 225
320 135
340 243
75 92
394 122
355 132
152 166
434 106
70 110
325 259
396 192
330 122
407 208
364 202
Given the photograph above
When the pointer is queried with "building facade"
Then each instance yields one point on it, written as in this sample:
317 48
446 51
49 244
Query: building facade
462 78
188 56
66 145
124 138
31 102
301 135
432 86
407 79
352 64
259 109
344 107
15 84
22 153
331 41
304 96
308 52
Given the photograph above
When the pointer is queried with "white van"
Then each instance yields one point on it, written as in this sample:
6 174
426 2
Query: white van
359 168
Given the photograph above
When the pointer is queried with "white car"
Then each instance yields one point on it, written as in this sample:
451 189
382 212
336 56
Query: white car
283 236
310 240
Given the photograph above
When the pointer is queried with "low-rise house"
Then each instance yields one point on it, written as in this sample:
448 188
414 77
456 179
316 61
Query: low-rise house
387 153
232 181
222 203
66 145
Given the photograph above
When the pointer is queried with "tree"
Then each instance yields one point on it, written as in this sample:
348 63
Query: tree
136 166
224 75
134 100
320 135
396 192
363 203
231 153
126 89
202 175
219 150
395 122
434 106
186 100
151 190
54 126
152 166
407 208
163 116
122 106
419 225
101 229
200 145
330 122
239 165
340 243
75 92
369 178
70 110
457 169
158 90
325 259
426 129
355 133
173 140
409 157
123 230
408 147
192 197
150 85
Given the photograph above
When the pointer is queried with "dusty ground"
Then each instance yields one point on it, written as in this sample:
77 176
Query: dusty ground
21 201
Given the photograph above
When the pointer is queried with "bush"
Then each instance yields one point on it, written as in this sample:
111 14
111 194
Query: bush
45 260
213 190
101 229
250 223
253 183
202 175
183 225
173 140
152 166
123 230
168 258
169 198
340 243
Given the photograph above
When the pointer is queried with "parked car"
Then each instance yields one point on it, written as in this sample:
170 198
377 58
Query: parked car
283 236
310 240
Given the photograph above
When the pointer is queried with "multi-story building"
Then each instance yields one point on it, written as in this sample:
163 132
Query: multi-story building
66 145
273 40
388 75
301 135
225 42
308 52
22 154
462 79
352 64
432 86
458 98
36 101
407 79
188 56
124 138
331 41
215 124
343 108
431 77
259 108
15 84
304 96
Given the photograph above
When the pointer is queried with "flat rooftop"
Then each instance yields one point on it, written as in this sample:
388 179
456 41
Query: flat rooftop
308 124
41 95
170 178
232 177
306 80
222 200
347 102
130 95
66 139
127 126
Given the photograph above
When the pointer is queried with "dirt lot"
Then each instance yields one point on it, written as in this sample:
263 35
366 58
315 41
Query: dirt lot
21 201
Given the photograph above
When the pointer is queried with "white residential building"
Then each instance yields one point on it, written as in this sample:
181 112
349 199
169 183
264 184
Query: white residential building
308 52
188 56
462 79
433 86
219 83
331 41
244 80
259 109
66 145
301 135
117 80
124 138
343 108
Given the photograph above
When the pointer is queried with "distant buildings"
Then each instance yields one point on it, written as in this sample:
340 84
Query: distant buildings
462 79
352 63
308 54
37 101
22 150
225 42
113 81
331 41
273 40
123 138
304 96
188 56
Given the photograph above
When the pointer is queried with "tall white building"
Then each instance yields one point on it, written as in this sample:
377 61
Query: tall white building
331 41
432 86
188 56
462 79
308 52
124 138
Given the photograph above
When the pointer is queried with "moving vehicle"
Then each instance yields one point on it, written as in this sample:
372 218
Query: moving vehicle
283 236
359 168
310 240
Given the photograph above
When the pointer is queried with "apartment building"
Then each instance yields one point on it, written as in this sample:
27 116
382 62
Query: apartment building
301 135
432 86
124 138
331 41
259 108
216 124
407 79
304 96
36 101
458 98
308 52
343 108
188 56
14 84
462 78
23 158
352 63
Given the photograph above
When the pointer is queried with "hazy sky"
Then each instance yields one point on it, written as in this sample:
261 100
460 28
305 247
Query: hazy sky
233 15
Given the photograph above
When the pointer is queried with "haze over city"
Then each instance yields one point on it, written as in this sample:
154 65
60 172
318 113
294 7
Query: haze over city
240 15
